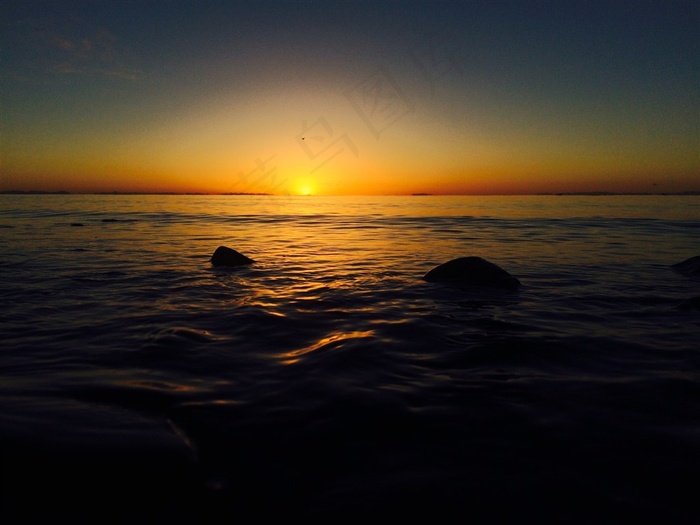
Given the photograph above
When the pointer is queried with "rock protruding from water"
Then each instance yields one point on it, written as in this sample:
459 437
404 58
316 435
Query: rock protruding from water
224 256
689 267
472 271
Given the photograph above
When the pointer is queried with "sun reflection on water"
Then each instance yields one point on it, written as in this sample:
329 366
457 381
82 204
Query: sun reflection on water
289 358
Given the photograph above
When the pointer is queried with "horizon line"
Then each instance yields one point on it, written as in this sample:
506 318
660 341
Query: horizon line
581 193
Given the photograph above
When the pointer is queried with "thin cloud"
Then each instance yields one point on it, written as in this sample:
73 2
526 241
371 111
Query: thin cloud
67 47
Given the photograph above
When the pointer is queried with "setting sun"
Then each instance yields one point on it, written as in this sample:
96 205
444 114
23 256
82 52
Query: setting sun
306 189
451 100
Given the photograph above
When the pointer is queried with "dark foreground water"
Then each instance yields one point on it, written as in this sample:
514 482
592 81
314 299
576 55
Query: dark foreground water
329 382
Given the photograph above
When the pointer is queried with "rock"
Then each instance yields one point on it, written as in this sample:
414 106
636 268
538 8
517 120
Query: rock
472 271
119 457
224 256
690 304
690 267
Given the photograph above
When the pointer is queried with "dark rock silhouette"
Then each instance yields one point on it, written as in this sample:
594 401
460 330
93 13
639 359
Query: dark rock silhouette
689 267
472 271
690 304
224 256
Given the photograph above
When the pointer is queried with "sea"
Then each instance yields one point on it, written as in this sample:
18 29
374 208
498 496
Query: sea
328 381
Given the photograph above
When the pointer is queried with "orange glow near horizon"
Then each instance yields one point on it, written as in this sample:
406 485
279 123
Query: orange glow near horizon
153 162
299 109
474 183
224 144
276 150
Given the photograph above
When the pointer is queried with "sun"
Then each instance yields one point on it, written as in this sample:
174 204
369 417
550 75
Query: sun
306 189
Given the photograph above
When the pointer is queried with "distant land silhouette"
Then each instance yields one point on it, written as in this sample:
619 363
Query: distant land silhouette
596 193
63 192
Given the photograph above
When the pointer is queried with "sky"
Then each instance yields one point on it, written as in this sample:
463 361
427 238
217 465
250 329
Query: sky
336 98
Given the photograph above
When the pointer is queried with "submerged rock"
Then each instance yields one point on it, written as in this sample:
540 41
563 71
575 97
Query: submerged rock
689 266
690 304
224 256
472 271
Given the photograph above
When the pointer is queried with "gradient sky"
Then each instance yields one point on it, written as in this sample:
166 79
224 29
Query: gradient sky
351 97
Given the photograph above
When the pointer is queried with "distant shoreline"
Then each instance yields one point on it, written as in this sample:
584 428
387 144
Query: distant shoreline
606 193
64 192
556 194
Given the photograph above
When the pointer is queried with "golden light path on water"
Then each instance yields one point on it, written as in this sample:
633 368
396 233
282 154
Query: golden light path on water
330 341
329 372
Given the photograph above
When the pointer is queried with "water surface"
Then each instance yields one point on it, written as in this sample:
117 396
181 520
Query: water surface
328 380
